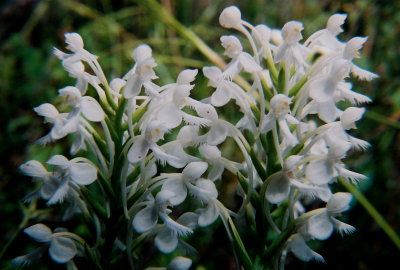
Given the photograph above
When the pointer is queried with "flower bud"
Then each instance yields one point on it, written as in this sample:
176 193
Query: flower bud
262 33
232 46
74 41
141 52
230 17
291 32
276 37
334 23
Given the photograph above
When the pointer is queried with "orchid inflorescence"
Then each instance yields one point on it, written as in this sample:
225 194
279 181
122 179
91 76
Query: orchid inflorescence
292 138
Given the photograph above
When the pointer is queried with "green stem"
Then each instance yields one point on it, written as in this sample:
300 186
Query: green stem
28 213
372 212
382 119
279 242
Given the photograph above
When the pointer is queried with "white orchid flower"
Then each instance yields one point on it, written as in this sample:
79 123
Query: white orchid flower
86 105
281 182
167 237
325 40
219 128
52 116
62 248
324 168
67 172
76 46
347 120
320 223
291 51
297 245
171 114
154 131
142 73
179 183
240 60
280 112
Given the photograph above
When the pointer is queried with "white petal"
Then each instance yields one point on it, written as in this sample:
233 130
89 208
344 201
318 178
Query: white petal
59 160
342 228
320 226
139 150
339 202
328 111
178 188
334 23
164 196
363 74
230 17
34 168
289 138
39 232
73 95
133 86
141 52
166 240
176 227
187 76
83 173
170 115
208 215
91 109
319 172
74 41
299 248
278 189
194 170
71 126
209 151
62 249
268 123
350 175
187 135
145 219
214 74
189 219
217 134
116 84
179 263
195 121
350 116
59 194
162 156
248 63
175 149
221 95
204 190
207 111
48 111
216 171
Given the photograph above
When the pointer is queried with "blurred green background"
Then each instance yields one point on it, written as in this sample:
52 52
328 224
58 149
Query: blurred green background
30 75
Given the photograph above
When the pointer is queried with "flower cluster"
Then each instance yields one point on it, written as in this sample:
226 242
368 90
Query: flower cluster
292 137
